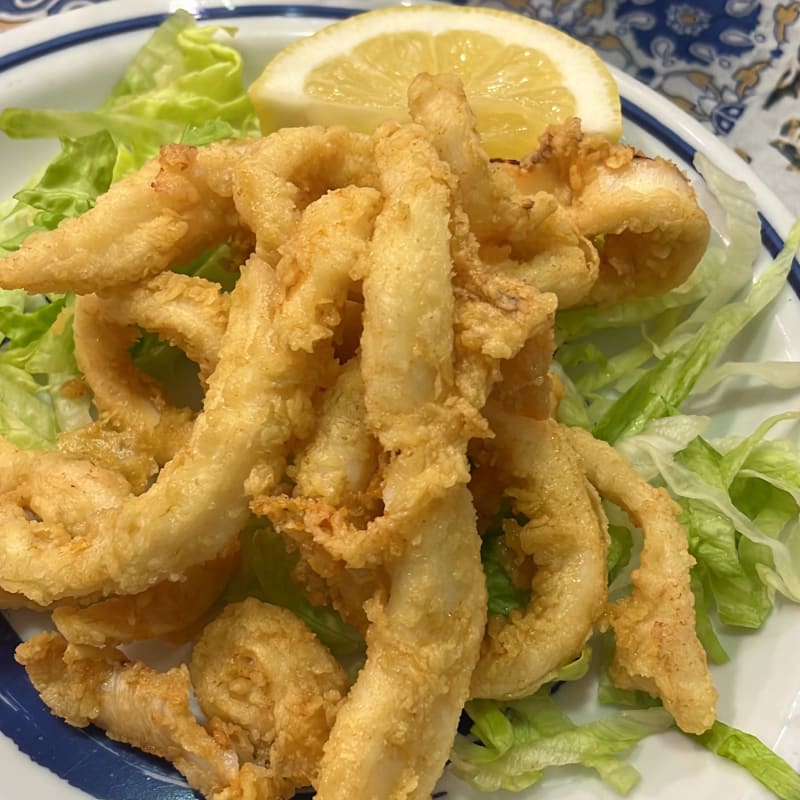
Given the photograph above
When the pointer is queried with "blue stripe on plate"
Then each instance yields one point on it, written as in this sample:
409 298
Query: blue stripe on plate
18 57
85 757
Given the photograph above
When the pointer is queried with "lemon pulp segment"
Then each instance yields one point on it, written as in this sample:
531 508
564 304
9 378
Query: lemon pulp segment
520 75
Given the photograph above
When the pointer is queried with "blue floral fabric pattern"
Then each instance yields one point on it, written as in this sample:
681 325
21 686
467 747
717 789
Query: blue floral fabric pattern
22 10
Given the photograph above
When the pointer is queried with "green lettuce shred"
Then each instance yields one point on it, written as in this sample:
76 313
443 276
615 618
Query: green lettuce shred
504 596
520 739
751 753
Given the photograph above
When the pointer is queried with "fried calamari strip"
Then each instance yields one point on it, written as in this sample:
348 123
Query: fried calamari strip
267 684
339 468
657 649
160 216
170 610
566 537
392 735
394 732
340 462
531 237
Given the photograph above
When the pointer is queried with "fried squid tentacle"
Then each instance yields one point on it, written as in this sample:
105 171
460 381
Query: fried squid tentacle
150 710
131 703
657 649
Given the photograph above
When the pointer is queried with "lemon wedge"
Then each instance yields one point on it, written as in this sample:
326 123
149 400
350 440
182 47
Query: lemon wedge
520 75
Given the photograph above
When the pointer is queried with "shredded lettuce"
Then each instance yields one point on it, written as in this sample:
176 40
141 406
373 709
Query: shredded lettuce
518 741
183 77
183 85
40 388
620 549
504 596
752 754
661 390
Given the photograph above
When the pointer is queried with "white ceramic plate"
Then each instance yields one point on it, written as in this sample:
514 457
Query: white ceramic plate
72 61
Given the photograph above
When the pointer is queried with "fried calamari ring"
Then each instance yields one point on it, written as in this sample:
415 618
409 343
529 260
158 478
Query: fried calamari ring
125 398
267 684
657 649
291 168
190 313
641 213
567 539
258 397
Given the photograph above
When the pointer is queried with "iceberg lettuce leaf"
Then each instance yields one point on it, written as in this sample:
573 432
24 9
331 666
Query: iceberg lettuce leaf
760 761
544 737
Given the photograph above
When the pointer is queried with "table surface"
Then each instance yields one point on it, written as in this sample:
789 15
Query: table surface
732 64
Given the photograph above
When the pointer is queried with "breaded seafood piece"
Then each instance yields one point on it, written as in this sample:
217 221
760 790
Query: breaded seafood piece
158 217
130 702
566 538
527 237
392 735
172 610
258 398
657 649
137 705
640 213
266 683
189 312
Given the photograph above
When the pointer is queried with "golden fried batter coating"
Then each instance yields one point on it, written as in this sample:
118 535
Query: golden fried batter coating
268 684
657 649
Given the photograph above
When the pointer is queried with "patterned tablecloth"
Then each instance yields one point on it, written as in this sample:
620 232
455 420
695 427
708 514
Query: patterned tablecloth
732 64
